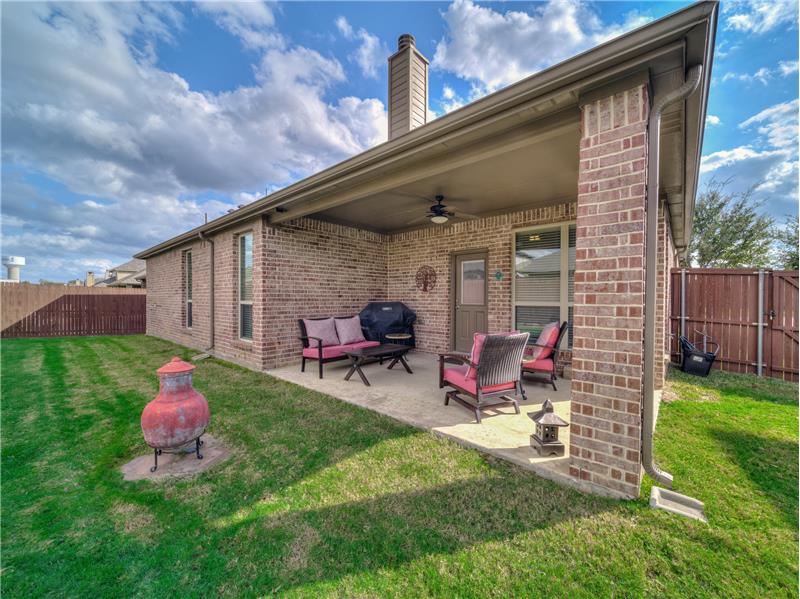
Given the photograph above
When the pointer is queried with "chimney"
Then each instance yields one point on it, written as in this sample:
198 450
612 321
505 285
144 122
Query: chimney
90 279
408 88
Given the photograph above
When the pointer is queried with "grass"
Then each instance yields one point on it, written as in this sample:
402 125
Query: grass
322 498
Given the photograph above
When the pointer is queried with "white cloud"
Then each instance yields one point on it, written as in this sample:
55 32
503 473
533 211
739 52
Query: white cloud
764 75
86 105
344 27
251 22
759 16
722 158
787 67
769 164
493 49
777 123
371 53
713 120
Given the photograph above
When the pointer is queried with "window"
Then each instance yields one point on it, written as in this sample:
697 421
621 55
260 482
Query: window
473 282
246 286
188 285
544 275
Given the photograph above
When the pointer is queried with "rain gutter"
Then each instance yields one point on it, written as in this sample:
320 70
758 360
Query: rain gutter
654 132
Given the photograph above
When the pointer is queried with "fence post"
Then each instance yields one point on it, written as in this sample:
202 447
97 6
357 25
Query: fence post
760 337
683 303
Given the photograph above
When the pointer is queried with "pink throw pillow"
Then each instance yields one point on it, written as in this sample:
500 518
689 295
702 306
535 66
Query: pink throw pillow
324 329
349 330
548 337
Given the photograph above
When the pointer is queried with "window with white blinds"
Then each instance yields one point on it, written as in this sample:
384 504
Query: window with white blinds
188 284
544 275
246 286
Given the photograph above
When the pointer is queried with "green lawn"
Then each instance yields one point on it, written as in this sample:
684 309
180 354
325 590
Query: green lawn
322 498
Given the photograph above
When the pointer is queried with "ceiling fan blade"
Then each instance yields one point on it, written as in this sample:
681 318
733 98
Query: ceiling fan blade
466 215
418 220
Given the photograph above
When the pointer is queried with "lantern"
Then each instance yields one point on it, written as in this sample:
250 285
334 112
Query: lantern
545 438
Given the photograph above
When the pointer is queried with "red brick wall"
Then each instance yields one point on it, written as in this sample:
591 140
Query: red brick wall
605 434
665 260
165 296
314 268
435 247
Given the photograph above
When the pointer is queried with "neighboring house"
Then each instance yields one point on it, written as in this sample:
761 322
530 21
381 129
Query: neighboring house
569 196
132 273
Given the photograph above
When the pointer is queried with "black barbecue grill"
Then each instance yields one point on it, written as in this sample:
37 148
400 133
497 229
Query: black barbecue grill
381 318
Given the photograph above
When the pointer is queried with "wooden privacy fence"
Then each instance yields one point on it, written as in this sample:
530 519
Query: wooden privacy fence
58 311
752 314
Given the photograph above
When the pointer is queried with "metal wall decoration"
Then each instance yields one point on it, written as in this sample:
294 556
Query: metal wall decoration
426 278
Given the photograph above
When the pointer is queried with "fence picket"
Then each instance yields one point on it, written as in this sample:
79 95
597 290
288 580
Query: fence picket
724 303
53 311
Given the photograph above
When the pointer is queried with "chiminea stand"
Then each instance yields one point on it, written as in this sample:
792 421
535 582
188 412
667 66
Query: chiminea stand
157 452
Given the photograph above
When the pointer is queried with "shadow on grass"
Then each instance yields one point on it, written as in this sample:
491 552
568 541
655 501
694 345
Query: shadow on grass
332 542
90 393
770 464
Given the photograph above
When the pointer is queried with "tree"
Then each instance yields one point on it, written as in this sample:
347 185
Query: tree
728 230
787 241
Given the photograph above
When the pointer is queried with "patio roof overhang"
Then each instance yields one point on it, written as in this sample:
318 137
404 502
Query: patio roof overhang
516 148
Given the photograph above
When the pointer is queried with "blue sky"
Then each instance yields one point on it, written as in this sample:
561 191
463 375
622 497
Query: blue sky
124 123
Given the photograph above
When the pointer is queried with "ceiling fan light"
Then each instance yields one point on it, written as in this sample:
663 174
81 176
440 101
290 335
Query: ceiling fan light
439 219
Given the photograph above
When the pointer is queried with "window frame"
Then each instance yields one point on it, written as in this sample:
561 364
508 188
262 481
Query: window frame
239 302
188 283
563 304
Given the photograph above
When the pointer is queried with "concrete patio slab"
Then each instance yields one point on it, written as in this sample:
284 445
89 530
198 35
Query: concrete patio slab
417 400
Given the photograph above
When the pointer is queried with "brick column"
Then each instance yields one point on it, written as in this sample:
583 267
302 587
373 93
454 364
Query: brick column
605 437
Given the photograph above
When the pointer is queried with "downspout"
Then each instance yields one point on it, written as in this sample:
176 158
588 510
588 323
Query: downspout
651 242
210 290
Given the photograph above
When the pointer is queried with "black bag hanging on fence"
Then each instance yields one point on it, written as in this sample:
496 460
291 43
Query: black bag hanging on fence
696 361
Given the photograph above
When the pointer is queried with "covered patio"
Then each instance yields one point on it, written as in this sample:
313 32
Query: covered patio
565 197
416 399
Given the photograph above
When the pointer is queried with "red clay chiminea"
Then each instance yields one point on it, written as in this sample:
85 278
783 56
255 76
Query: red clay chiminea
178 415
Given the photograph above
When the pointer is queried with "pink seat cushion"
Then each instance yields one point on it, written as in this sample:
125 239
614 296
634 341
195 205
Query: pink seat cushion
457 375
323 329
547 337
349 330
332 351
335 351
546 365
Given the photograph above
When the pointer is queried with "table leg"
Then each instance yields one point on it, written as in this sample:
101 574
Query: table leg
355 366
405 364
352 369
402 360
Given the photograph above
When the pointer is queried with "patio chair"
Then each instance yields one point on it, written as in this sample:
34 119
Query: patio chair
488 376
542 356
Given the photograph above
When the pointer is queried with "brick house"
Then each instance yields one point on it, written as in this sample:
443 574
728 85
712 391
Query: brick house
572 192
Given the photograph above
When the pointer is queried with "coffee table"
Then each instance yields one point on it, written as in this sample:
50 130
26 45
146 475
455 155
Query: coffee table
367 355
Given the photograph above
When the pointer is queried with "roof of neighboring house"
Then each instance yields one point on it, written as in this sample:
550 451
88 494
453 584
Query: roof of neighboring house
687 34
124 281
133 265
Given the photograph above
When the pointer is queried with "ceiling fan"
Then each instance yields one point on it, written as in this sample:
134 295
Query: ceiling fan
438 213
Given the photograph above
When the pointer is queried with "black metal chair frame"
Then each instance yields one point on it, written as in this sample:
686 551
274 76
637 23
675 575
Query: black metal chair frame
307 340
498 365
550 377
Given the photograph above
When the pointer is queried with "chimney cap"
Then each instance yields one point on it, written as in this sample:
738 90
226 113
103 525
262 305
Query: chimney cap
405 41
